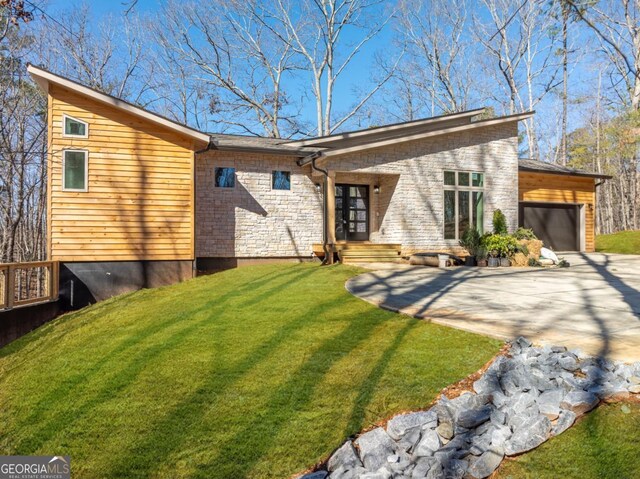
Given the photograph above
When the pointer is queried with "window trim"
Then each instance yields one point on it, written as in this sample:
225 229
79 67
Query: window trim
457 188
235 178
86 170
290 180
64 127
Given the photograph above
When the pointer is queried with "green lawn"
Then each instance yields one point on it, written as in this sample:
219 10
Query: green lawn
626 242
603 445
254 372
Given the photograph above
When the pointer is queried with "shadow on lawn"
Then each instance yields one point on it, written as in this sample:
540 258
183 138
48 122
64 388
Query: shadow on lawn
259 430
135 365
436 288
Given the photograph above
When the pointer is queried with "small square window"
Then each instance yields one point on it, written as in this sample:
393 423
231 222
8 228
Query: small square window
74 166
225 177
477 179
281 180
74 127
450 178
463 178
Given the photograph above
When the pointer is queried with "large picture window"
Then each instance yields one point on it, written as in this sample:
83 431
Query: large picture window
74 170
463 202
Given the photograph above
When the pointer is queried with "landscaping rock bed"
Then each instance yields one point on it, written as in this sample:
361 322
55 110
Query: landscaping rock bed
521 400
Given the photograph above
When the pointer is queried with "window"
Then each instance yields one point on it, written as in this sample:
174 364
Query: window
74 170
281 180
463 202
74 127
225 177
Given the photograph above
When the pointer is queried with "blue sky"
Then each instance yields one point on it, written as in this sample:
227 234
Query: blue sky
358 72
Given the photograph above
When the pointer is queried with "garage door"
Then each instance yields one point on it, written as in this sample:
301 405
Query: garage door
557 225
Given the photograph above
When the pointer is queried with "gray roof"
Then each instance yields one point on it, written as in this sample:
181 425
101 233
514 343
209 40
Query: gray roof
543 167
259 144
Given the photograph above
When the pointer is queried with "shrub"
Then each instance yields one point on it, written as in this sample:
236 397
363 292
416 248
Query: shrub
522 248
499 245
533 262
525 234
470 240
481 253
499 223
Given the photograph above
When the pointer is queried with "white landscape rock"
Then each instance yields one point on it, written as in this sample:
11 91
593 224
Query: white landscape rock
580 402
520 401
375 446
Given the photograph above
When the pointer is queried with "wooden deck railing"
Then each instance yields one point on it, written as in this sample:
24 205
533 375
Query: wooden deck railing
28 283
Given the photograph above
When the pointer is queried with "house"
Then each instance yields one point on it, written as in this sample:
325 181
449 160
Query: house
136 199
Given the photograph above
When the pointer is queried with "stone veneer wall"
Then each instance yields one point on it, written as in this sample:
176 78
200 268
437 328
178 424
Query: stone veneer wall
410 206
252 220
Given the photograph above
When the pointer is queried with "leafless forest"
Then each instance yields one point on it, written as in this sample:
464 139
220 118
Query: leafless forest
286 69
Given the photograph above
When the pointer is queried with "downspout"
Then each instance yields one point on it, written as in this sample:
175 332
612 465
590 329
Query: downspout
325 212
211 145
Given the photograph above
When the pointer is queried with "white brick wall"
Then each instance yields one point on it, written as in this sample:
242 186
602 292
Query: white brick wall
412 194
254 221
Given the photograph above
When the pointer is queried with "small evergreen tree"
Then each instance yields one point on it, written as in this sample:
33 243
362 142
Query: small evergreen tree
499 223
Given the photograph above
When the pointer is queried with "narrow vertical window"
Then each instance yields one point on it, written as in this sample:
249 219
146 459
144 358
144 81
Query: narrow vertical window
225 177
449 214
74 127
463 203
281 180
74 170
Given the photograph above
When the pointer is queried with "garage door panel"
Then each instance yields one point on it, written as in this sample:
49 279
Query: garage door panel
556 225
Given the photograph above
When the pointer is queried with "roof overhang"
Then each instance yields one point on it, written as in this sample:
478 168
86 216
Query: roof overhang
583 174
387 130
44 78
269 150
420 136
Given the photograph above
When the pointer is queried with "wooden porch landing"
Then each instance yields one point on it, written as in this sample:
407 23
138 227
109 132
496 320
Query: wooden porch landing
362 251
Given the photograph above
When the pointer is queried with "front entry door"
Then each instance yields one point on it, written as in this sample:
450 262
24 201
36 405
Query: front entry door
352 212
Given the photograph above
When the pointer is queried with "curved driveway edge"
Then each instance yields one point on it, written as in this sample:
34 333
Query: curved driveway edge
594 305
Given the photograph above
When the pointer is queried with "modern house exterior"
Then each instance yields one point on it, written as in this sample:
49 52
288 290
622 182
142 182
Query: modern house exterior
136 200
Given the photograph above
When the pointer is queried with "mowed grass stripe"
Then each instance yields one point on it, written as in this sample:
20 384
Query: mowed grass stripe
255 372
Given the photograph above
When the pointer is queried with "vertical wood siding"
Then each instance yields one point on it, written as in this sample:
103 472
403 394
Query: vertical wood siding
549 188
140 199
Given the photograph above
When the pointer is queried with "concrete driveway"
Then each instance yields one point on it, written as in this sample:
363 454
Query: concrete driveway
594 305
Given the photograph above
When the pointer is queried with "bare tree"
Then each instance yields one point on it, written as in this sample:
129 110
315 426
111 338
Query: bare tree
22 151
11 13
521 52
616 23
241 60
315 30
105 56
438 46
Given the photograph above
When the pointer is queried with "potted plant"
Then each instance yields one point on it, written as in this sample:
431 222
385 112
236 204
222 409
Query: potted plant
494 260
470 241
500 247
481 256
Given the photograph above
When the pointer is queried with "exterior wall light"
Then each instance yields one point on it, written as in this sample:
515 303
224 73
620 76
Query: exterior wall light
376 189
318 187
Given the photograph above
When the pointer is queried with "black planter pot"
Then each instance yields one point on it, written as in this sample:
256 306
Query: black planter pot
470 261
494 262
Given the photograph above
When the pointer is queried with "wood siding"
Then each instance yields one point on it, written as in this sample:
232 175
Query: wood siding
550 188
140 199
